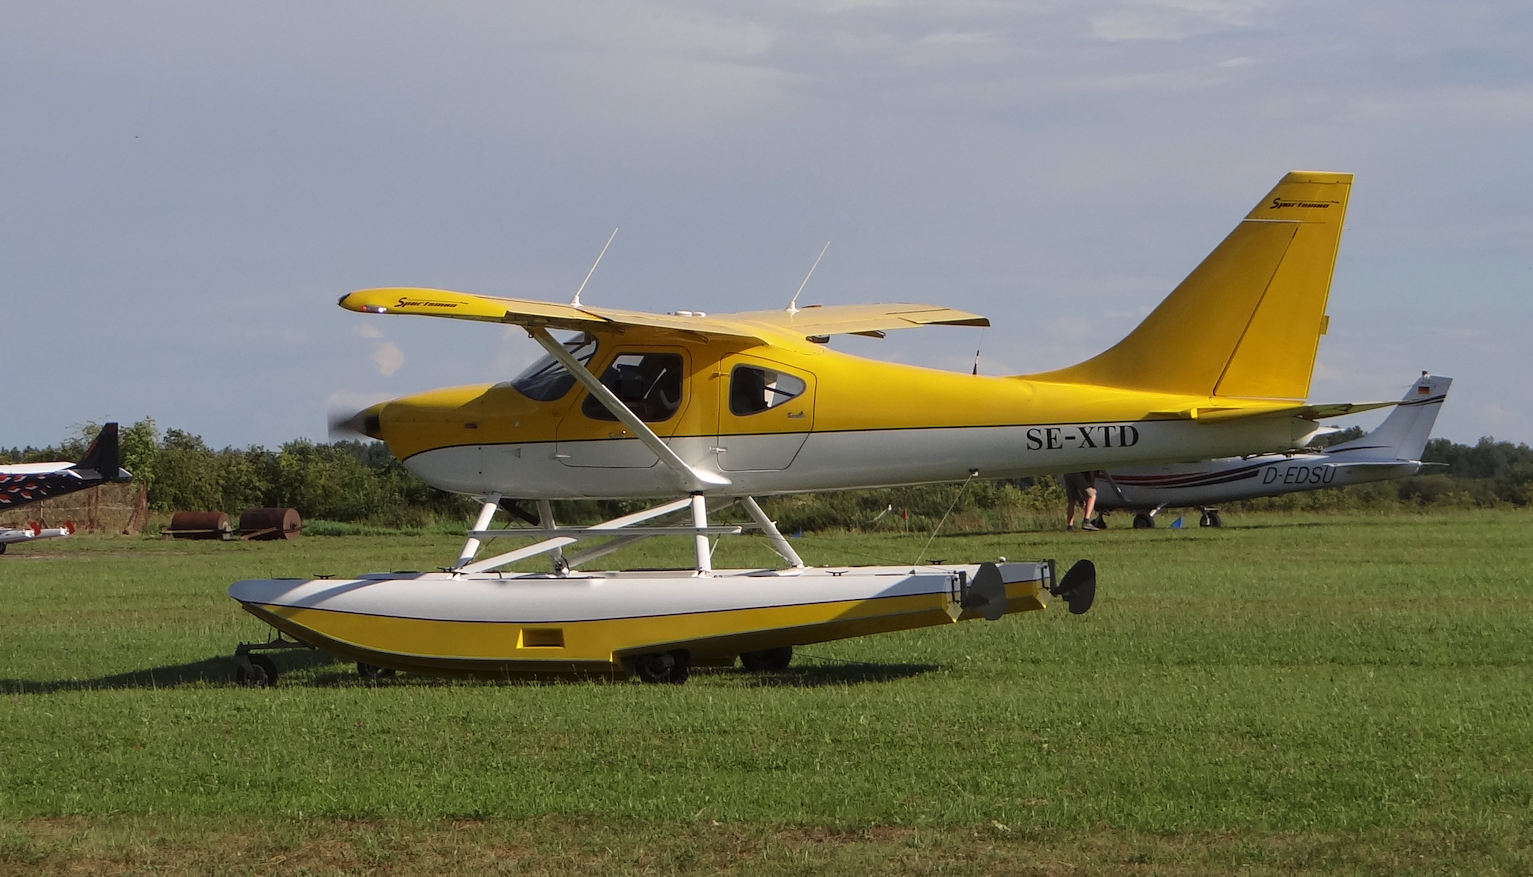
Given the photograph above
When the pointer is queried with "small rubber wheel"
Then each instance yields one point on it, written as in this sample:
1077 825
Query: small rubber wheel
767 660
262 674
1213 518
663 667
1143 521
373 672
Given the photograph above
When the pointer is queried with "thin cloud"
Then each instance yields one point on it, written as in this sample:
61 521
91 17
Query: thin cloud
388 358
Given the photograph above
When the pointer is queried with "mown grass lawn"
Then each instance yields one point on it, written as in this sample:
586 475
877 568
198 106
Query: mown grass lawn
1287 694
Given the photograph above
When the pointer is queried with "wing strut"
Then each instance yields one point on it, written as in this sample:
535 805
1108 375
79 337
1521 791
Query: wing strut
692 480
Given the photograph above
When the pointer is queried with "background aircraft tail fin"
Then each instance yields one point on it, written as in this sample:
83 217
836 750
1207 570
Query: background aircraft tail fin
1247 321
102 455
1403 434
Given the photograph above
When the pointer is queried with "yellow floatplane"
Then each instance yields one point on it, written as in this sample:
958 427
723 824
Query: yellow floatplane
697 409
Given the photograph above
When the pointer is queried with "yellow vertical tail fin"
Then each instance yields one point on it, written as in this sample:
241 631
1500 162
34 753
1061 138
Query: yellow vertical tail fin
1248 320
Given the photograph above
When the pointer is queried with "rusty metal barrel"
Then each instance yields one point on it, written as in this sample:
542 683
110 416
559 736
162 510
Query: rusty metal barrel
198 525
270 524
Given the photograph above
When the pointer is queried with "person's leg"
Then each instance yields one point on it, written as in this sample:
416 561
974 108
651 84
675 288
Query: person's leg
1089 507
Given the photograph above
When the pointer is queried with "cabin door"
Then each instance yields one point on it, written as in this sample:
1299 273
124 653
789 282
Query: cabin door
653 383
766 413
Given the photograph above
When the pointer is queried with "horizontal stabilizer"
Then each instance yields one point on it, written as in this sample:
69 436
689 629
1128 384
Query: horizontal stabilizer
1215 414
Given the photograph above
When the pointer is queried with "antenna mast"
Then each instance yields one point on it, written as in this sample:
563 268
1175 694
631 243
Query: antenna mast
793 303
575 302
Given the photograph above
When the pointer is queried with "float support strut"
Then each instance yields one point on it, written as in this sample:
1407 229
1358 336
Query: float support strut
779 544
700 540
471 545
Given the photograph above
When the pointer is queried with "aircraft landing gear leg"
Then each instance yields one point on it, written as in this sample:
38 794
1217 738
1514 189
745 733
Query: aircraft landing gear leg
1143 521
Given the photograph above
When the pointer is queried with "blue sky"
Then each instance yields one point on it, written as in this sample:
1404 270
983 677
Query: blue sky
189 187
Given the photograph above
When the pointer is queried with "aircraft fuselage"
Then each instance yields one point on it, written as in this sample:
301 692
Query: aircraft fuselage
850 422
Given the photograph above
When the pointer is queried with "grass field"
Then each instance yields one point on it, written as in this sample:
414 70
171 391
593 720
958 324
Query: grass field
1285 695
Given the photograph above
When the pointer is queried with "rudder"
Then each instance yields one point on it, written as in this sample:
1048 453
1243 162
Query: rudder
1404 433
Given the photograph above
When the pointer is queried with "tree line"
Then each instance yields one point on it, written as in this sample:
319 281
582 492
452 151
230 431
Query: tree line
361 482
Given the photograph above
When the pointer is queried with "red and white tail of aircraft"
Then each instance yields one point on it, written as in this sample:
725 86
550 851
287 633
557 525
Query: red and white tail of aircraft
1393 450
25 483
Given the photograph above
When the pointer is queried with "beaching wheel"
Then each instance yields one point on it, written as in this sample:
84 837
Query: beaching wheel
671 667
262 672
767 660
373 672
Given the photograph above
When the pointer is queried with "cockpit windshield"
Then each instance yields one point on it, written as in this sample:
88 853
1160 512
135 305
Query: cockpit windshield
546 380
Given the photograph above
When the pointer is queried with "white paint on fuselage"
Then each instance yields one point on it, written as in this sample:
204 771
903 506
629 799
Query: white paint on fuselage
1215 482
858 459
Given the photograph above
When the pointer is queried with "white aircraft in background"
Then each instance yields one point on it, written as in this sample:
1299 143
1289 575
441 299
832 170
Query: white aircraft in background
23 483
1391 451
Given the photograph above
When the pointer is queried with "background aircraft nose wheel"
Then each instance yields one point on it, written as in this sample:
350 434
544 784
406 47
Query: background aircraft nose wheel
767 659
672 667
262 672
1210 518
372 672
1143 521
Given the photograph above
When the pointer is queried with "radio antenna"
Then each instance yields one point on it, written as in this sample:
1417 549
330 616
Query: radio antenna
575 302
793 304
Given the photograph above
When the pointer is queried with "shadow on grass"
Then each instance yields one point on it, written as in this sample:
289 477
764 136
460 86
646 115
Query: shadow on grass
218 670
321 670
819 675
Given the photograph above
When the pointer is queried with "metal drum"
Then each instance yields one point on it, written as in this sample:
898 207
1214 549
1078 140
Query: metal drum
270 524
198 525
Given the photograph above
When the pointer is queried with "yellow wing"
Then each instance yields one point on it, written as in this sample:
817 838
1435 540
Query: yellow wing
809 322
874 320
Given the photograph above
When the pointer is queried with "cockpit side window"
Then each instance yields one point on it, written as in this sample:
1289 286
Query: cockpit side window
546 380
753 389
649 384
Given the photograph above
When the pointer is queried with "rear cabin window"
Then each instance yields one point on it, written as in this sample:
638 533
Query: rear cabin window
546 380
753 389
648 383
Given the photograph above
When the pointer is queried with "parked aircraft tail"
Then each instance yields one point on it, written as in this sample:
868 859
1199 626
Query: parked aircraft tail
1403 434
1248 320
103 456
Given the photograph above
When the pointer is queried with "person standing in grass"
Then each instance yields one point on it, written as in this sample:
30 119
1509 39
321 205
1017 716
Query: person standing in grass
1080 490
